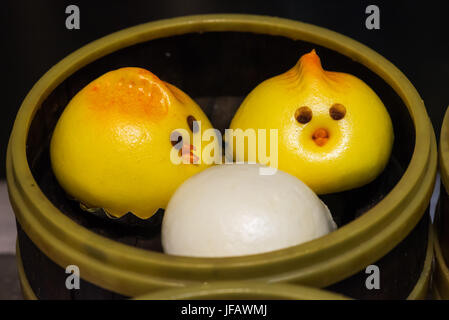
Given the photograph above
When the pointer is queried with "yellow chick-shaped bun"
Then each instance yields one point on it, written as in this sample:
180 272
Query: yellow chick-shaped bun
114 144
334 133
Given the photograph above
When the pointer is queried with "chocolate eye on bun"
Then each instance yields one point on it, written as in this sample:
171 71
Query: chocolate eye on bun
233 210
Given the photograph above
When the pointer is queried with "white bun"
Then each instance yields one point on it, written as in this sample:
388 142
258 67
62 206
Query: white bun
232 210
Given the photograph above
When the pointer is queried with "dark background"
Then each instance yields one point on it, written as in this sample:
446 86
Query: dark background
413 35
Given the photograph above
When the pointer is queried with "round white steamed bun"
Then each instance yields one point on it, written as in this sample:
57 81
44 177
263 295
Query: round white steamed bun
232 210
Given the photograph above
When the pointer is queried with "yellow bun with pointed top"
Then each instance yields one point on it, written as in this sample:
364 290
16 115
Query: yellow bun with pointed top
112 147
334 132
